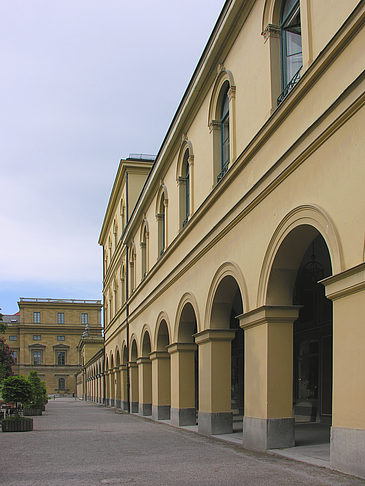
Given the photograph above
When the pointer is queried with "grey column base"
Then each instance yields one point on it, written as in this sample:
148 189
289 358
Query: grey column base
117 403
134 407
183 416
161 412
215 423
107 402
145 409
347 450
111 401
262 434
125 406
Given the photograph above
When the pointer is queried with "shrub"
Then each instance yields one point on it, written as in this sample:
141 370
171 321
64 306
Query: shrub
16 389
38 399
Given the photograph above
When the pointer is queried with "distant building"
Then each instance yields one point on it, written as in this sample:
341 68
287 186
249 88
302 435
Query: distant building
44 335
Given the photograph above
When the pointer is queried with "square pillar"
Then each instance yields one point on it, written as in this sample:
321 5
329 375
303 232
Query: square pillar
268 422
145 385
123 387
347 291
134 389
182 357
215 412
160 385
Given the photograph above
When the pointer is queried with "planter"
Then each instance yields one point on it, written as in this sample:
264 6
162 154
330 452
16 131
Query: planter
18 424
32 411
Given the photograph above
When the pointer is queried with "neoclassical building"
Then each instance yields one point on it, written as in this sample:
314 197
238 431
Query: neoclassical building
234 274
44 335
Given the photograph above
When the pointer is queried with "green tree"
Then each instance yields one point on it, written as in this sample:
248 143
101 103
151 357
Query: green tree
16 389
38 399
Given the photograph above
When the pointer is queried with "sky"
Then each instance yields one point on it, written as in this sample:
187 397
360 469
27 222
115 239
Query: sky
83 84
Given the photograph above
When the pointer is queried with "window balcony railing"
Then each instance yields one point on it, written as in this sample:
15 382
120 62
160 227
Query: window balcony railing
289 86
222 172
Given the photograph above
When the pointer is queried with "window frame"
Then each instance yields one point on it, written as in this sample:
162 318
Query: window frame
39 355
36 317
37 337
58 355
60 317
83 319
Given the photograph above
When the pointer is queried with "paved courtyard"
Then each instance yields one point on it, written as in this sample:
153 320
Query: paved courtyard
76 443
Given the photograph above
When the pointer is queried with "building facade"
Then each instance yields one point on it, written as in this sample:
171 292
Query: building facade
44 335
234 282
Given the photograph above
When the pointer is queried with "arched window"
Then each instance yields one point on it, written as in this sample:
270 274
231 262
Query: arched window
221 122
161 216
144 249
122 284
291 46
115 234
186 176
132 269
224 129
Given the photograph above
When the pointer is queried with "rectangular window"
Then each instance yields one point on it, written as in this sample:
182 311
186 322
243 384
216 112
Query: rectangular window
36 317
36 337
61 358
15 356
60 318
12 338
84 318
37 357
60 338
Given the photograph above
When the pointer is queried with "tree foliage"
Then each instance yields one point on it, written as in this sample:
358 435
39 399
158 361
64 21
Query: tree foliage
16 389
38 391
6 360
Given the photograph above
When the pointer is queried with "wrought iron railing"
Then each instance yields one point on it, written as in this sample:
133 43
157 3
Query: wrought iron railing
222 172
289 86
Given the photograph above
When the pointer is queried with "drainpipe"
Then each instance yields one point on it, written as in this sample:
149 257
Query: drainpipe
127 297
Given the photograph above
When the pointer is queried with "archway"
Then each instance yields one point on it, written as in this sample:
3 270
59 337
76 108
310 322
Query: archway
161 375
134 385
222 346
184 369
145 376
302 260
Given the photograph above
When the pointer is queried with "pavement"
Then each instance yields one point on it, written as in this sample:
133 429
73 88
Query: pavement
80 443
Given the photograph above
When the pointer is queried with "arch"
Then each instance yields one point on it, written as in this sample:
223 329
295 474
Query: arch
187 298
271 13
117 357
223 76
306 216
162 219
162 318
185 146
226 269
185 182
144 244
132 267
145 341
106 364
134 348
111 360
124 353
222 122
161 191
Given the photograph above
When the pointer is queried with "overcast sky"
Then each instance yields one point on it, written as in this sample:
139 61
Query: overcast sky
83 84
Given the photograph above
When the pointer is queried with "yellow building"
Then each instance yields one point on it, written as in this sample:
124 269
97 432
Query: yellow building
44 336
90 378
234 274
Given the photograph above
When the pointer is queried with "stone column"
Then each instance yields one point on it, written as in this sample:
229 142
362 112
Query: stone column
268 391
182 357
133 370
118 399
107 388
123 377
215 413
145 385
160 385
347 291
